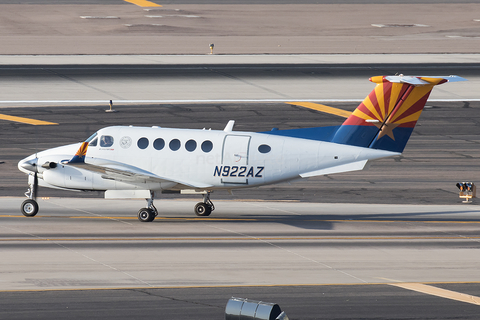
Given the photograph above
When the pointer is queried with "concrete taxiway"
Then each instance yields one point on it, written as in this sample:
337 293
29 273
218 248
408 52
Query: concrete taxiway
309 258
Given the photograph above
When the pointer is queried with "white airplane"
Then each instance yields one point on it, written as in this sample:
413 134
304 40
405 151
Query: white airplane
143 162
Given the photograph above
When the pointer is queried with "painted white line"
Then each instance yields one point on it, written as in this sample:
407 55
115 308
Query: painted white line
144 25
203 101
395 25
99 17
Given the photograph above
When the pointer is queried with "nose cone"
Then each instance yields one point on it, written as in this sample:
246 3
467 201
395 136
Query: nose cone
29 164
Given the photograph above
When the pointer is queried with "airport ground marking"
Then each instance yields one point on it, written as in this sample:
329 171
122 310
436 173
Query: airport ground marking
439 292
162 101
211 219
15 239
229 286
26 120
322 108
143 3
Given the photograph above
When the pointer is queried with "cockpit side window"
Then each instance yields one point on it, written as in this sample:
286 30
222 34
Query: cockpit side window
93 143
106 141
91 137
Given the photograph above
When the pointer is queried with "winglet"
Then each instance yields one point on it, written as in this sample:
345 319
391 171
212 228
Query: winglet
79 157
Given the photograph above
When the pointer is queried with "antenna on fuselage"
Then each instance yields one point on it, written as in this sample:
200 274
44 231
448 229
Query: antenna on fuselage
229 126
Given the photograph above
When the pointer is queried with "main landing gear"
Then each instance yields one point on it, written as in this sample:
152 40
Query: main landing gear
30 206
148 214
205 208
202 209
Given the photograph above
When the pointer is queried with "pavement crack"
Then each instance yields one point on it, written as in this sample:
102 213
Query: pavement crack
152 294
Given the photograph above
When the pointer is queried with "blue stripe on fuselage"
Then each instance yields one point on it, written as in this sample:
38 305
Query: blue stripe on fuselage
318 133
359 136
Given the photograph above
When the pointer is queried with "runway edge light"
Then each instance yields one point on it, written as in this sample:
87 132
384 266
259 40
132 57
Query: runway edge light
111 105
245 309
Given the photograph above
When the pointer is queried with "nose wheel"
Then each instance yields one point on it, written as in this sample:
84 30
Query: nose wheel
29 207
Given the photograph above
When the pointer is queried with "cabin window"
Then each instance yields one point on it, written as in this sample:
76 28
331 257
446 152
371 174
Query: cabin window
106 141
93 143
191 145
207 146
142 143
263 148
174 145
159 144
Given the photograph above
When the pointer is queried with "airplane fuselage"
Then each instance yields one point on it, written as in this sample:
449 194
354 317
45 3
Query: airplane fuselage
202 159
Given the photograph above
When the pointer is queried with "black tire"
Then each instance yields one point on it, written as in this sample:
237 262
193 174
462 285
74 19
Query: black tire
29 208
146 215
202 209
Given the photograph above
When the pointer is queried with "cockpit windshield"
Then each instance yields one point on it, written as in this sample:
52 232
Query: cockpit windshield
91 137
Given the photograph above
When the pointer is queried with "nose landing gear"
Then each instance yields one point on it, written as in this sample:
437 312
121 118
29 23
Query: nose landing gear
29 207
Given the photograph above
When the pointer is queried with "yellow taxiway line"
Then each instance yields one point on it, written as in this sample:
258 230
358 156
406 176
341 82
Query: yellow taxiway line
143 3
439 292
322 108
273 219
233 286
26 120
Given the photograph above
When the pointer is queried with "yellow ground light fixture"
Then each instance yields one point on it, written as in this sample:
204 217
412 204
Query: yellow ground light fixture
211 48
468 191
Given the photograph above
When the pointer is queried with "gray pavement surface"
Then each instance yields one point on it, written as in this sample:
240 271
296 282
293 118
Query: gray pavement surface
239 27
318 261
310 302
180 267
241 81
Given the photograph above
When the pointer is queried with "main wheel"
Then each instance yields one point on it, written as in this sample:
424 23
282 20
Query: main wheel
202 209
29 208
146 215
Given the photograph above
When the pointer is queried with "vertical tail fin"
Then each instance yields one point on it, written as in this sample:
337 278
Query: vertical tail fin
386 118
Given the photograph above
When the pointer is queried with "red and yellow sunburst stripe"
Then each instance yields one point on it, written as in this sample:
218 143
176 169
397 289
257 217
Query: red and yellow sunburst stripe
380 105
82 151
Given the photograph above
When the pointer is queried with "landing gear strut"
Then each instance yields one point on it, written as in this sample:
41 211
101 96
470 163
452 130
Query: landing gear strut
148 214
205 208
30 206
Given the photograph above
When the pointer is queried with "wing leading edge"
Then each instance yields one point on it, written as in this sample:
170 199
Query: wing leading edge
118 171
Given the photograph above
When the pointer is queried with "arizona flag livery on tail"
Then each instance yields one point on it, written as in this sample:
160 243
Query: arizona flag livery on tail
144 162
392 109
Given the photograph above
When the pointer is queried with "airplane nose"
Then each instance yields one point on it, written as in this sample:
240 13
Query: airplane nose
30 165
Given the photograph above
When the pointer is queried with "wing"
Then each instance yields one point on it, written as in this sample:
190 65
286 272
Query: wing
119 171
